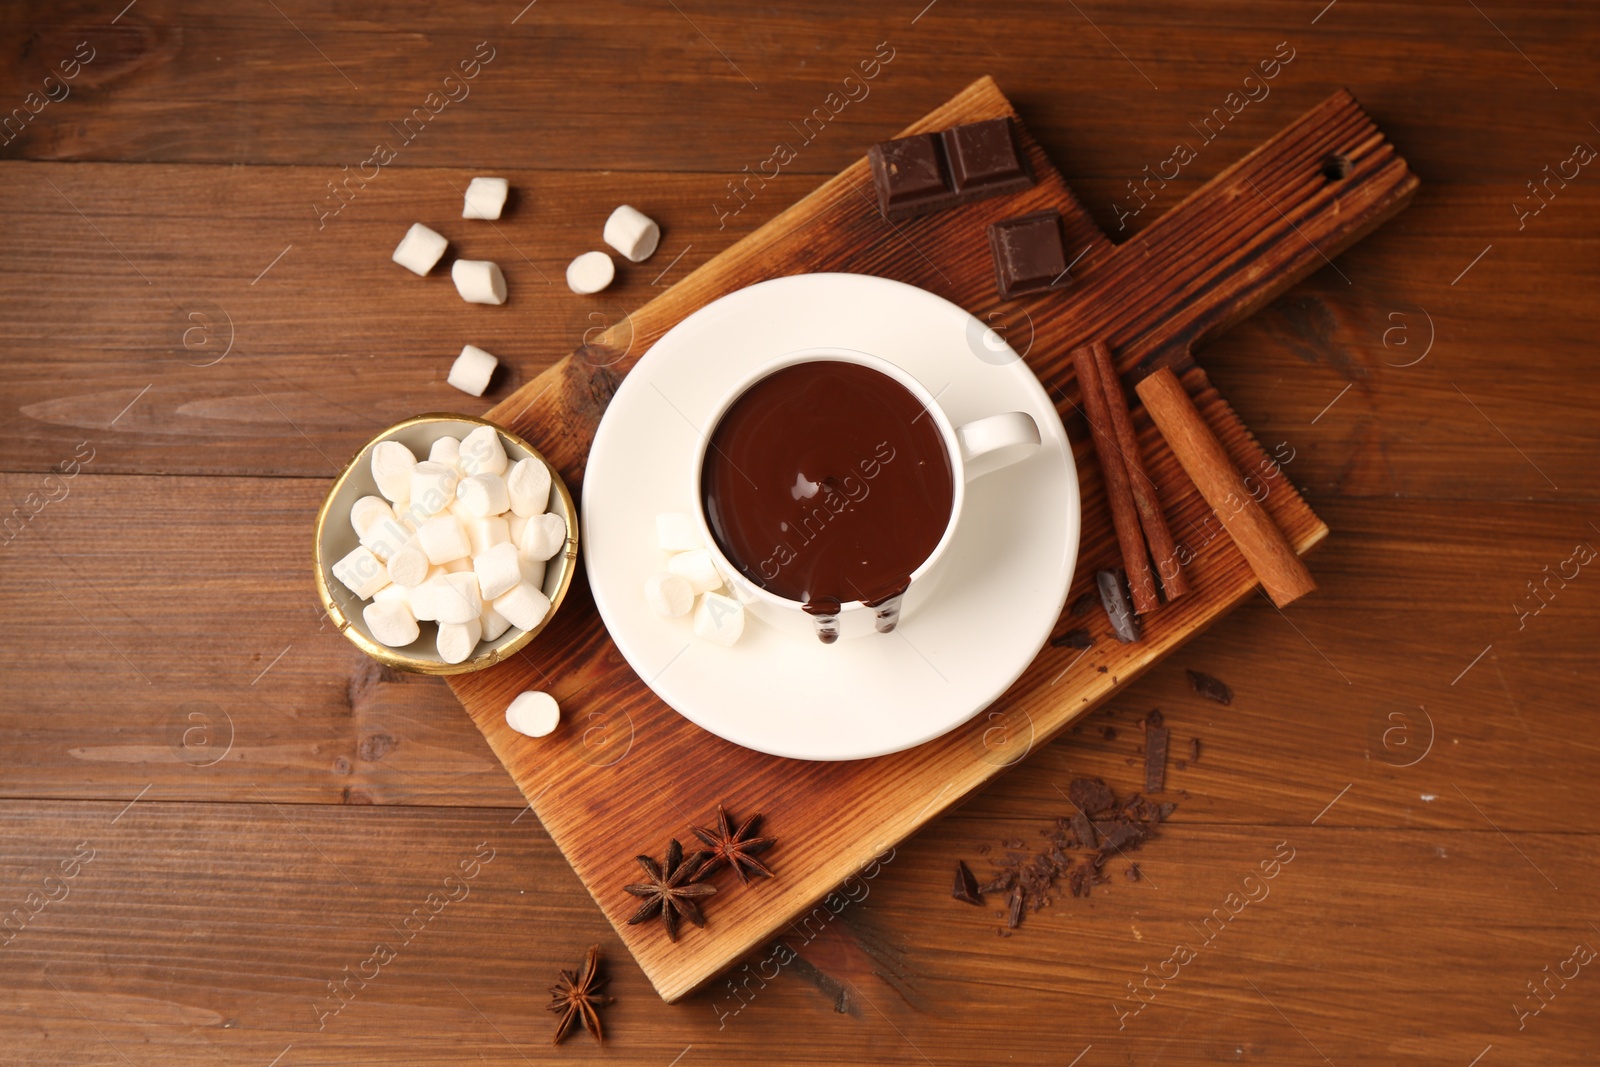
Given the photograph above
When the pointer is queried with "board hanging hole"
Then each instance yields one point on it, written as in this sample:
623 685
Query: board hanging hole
1335 166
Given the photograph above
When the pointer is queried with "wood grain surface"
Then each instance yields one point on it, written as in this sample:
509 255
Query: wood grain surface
1437 389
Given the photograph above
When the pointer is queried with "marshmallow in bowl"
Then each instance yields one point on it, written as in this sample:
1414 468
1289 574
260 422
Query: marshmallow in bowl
391 622
676 532
457 639
719 618
433 487
528 482
633 233
697 569
392 464
484 534
483 495
482 453
361 572
494 624
524 606
419 250
485 198
446 450
479 281
668 595
498 570
408 567
543 536
533 714
442 539
472 370
590 273
367 511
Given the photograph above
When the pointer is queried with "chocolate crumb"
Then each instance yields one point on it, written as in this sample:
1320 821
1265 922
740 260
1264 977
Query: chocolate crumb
1155 758
1073 639
1194 750
1132 873
966 887
1091 795
1082 830
1109 733
1102 670
1085 604
1209 687
983 850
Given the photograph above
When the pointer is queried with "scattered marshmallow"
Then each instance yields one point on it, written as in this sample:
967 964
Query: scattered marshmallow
479 281
524 606
633 233
485 199
446 450
392 464
590 273
472 370
361 572
391 622
719 618
367 511
409 566
676 532
458 639
483 495
528 482
499 570
433 487
443 539
669 595
419 250
483 453
533 714
697 569
494 624
484 534
543 536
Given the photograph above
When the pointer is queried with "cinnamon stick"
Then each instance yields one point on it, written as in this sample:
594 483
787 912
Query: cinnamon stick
1124 513
1163 549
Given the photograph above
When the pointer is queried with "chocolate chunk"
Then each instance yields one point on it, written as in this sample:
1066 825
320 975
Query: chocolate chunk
1083 830
1155 758
1085 604
1091 795
1014 909
1209 687
930 172
984 160
1119 608
1002 881
1028 254
966 887
1115 833
909 175
1073 639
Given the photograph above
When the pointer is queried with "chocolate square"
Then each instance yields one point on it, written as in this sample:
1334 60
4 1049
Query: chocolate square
984 159
909 173
1029 256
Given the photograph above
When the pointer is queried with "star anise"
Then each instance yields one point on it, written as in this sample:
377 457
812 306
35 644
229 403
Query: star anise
671 890
734 848
576 996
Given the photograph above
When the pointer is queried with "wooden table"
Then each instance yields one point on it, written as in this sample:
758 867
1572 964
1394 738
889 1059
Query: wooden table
215 808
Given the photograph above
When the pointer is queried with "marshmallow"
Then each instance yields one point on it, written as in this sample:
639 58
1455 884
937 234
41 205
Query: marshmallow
368 510
719 618
433 488
391 622
515 524
457 639
361 572
528 482
385 537
408 567
532 571
494 624
590 272
443 539
448 598
696 567
524 606
419 250
392 464
543 536
669 595
472 370
457 566
446 450
482 453
485 199
392 592
479 281
484 534
533 714
483 495
633 233
676 532
498 570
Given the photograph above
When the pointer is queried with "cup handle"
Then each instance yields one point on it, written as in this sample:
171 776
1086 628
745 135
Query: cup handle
997 441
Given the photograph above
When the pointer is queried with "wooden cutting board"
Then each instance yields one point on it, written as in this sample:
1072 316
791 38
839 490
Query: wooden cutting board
624 773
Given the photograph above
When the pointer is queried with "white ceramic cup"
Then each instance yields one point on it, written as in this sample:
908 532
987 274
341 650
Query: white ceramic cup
974 449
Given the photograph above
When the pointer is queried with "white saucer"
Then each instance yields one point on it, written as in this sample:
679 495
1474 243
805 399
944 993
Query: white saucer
1003 584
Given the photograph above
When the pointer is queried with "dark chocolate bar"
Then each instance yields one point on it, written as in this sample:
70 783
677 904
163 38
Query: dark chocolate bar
929 172
1029 256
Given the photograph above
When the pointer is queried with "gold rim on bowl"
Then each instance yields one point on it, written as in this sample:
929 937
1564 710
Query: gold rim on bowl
395 657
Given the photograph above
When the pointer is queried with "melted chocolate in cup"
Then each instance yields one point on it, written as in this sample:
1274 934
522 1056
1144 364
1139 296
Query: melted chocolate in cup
828 482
